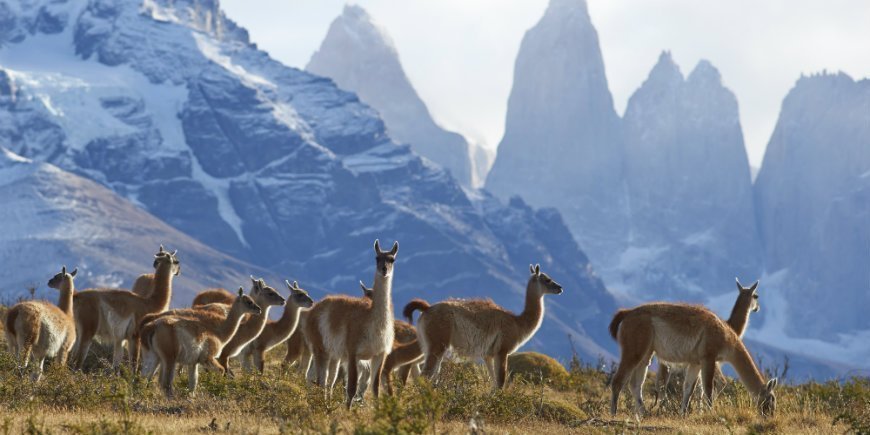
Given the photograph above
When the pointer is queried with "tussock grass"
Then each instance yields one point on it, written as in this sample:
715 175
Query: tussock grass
541 398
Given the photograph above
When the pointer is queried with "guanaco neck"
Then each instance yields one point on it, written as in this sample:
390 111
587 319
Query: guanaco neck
65 303
162 286
230 326
288 321
533 312
739 319
382 300
745 368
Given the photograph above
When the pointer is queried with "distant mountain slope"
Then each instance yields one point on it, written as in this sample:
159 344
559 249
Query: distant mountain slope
361 57
53 218
169 105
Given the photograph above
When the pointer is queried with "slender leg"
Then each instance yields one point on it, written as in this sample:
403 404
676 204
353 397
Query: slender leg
404 373
192 377
708 371
636 387
117 355
500 362
39 364
377 370
352 377
332 375
689 384
489 362
260 360
627 365
365 376
321 368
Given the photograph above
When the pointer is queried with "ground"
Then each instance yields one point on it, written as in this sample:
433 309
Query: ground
281 402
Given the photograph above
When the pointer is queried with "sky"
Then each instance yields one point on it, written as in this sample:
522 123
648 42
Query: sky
459 54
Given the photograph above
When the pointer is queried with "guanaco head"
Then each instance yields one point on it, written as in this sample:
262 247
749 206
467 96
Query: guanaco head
368 292
298 296
767 398
263 294
749 293
543 284
165 257
385 259
247 303
63 278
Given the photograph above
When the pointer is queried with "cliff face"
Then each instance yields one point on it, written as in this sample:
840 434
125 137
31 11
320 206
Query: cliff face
361 58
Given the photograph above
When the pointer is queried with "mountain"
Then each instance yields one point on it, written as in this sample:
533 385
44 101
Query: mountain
168 104
692 214
562 145
360 56
53 218
812 198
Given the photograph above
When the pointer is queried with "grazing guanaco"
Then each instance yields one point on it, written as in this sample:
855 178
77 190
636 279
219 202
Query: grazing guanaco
40 330
265 297
144 284
194 341
112 315
342 328
480 328
685 334
746 303
277 332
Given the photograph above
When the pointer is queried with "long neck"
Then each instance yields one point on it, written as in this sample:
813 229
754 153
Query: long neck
288 321
533 312
750 376
65 303
739 319
382 299
162 286
228 327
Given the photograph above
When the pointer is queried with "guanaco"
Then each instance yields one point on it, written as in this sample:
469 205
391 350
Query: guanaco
40 330
746 303
266 297
685 334
194 341
213 296
277 332
480 328
112 315
144 284
342 328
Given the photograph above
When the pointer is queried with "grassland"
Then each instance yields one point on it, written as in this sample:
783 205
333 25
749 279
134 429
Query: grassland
538 400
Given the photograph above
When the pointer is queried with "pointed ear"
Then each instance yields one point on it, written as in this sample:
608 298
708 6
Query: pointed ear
74 272
254 281
532 269
63 270
754 286
395 248
295 285
739 286
161 248
771 384
363 286
290 286
174 252
241 290
537 269
377 246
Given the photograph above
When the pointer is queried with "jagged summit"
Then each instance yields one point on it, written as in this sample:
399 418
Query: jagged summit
705 74
360 56
666 72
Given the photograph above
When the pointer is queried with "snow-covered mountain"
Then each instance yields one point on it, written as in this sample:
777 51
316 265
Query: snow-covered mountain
53 218
562 144
689 188
168 104
360 56
813 203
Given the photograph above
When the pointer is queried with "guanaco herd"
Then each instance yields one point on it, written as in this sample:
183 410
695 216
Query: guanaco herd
359 334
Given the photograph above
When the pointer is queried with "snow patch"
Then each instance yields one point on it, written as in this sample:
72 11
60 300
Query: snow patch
220 187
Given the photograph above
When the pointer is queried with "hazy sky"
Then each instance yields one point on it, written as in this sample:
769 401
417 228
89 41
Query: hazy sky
459 54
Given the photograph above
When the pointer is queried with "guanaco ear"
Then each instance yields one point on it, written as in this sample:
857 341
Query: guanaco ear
739 286
363 287
174 252
377 246
254 281
395 248
241 290
537 269
771 384
754 286
532 269
63 270
161 249
74 272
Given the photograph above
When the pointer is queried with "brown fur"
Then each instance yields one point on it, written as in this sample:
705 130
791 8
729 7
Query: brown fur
276 332
113 315
480 328
341 328
265 297
38 330
685 334
746 303
212 296
193 341
144 284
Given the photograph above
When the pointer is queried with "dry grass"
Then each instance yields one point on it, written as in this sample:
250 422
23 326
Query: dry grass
281 402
